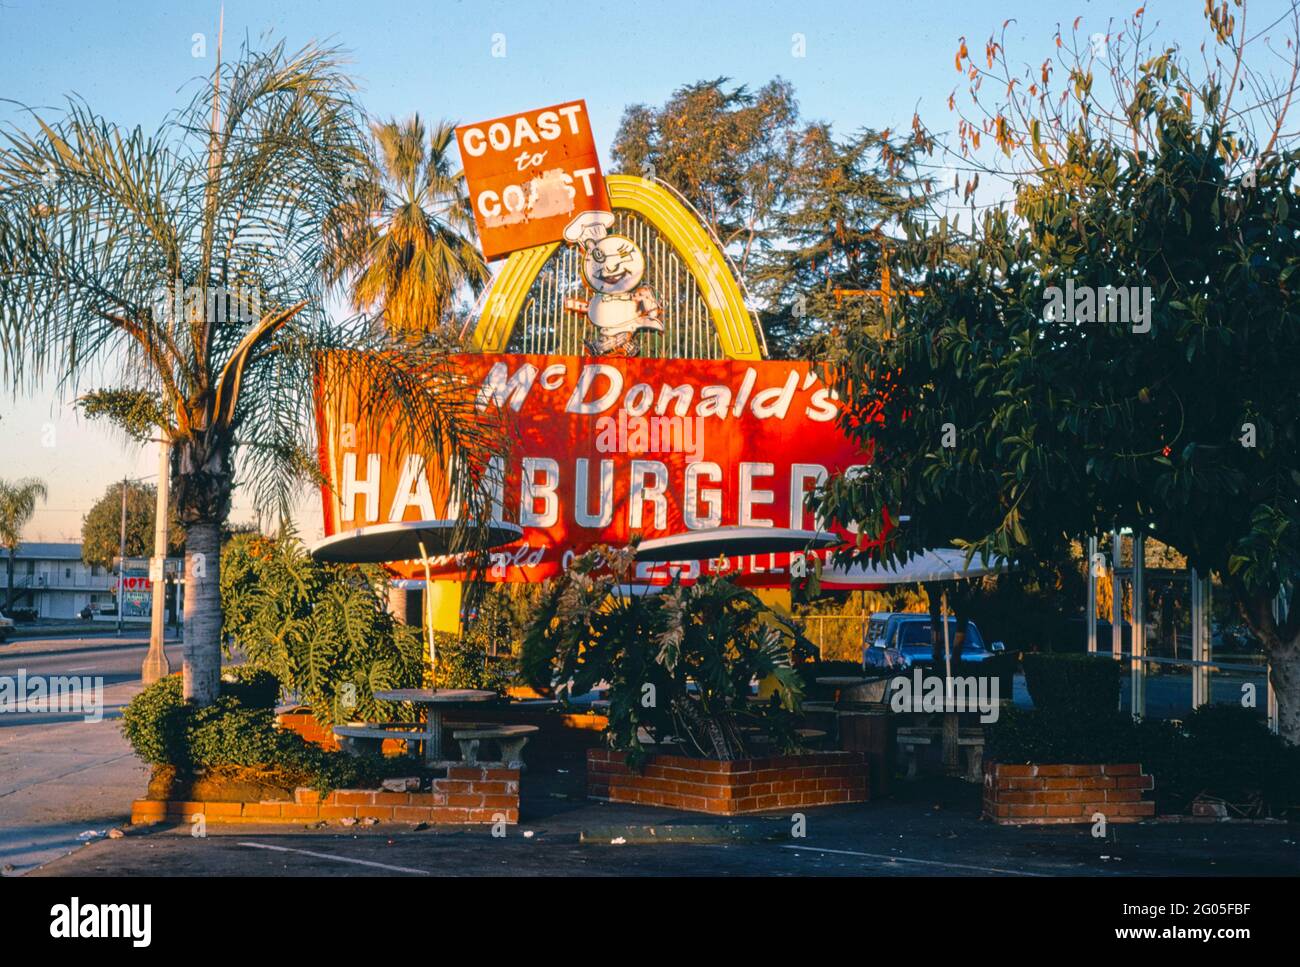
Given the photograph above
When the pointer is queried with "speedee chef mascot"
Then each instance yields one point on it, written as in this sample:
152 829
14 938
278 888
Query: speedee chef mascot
613 267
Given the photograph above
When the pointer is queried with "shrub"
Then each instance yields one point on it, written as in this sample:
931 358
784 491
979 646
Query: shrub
239 730
1222 752
254 687
463 662
155 721
1083 684
694 649
321 629
1051 737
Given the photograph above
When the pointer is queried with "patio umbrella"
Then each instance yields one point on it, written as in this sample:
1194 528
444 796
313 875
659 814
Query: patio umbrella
407 541
713 542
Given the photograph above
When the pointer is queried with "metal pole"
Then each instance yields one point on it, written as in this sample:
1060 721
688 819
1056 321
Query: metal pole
426 609
1092 595
121 561
950 732
1280 611
156 665
1200 639
1137 667
1116 598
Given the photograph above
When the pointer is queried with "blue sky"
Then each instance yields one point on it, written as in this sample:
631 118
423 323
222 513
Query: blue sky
867 64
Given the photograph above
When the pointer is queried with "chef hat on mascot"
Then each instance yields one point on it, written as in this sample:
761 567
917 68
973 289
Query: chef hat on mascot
588 228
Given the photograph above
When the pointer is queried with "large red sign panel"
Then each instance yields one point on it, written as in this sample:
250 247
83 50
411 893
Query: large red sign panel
599 449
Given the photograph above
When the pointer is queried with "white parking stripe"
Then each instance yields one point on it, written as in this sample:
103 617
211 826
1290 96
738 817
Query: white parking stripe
340 859
905 859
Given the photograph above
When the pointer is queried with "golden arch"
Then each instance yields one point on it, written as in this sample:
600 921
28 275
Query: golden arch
737 333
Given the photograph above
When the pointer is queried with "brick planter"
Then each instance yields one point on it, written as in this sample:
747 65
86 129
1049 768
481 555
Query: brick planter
305 725
1033 795
729 788
469 794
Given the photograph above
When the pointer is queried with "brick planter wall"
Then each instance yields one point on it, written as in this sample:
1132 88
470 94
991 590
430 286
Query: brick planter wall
729 788
1018 795
469 794
305 725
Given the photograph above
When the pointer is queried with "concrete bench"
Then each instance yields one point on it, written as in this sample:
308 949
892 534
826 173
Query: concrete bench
358 739
510 738
810 736
912 738
818 708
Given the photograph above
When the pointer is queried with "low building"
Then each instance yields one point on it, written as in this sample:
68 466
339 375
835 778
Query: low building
52 580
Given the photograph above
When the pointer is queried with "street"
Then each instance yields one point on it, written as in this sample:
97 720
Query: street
60 775
927 828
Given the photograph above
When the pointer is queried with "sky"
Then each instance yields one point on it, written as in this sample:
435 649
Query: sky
864 63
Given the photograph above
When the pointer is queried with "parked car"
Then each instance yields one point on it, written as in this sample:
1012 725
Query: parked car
23 614
876 626
904 641
6 627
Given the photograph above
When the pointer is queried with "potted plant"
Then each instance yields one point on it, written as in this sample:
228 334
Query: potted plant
679 666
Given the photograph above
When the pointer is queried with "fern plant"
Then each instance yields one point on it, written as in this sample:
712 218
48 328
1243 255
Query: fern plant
679 664
322 629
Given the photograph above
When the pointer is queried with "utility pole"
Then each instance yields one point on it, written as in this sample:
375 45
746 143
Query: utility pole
886 293
156 665
121 561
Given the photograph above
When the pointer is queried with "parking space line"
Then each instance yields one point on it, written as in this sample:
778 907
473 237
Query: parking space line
906 859
340 859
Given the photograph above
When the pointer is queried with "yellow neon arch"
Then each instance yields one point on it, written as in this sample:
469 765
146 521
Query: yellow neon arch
737 333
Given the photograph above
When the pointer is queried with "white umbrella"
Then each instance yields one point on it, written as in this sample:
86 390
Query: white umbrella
714 542
406 541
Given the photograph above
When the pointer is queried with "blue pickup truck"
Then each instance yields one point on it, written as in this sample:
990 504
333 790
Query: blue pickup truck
900 640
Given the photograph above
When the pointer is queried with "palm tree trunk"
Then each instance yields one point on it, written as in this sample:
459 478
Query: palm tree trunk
202 651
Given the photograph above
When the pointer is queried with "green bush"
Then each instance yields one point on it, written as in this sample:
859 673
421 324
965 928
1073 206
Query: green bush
254 687
321 629
463 662
1222 752
1083 684
155 722
1051 737
239 730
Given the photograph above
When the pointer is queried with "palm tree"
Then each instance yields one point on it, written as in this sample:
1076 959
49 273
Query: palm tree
17 505
189 265
415 249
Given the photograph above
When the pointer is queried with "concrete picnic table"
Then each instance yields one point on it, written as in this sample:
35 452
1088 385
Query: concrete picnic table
435 701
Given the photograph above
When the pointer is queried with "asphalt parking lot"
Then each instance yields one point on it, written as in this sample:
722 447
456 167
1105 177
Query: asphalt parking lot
930 829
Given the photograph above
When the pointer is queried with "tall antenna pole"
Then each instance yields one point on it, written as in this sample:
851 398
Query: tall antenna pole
121 561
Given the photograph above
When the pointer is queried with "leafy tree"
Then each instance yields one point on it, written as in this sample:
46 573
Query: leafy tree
1010 429
101 527
727 150
17 507
652 648
843 198
191 261
321 629
413 249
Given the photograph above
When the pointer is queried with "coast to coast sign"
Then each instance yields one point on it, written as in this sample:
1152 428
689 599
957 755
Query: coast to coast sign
528 175
599 449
